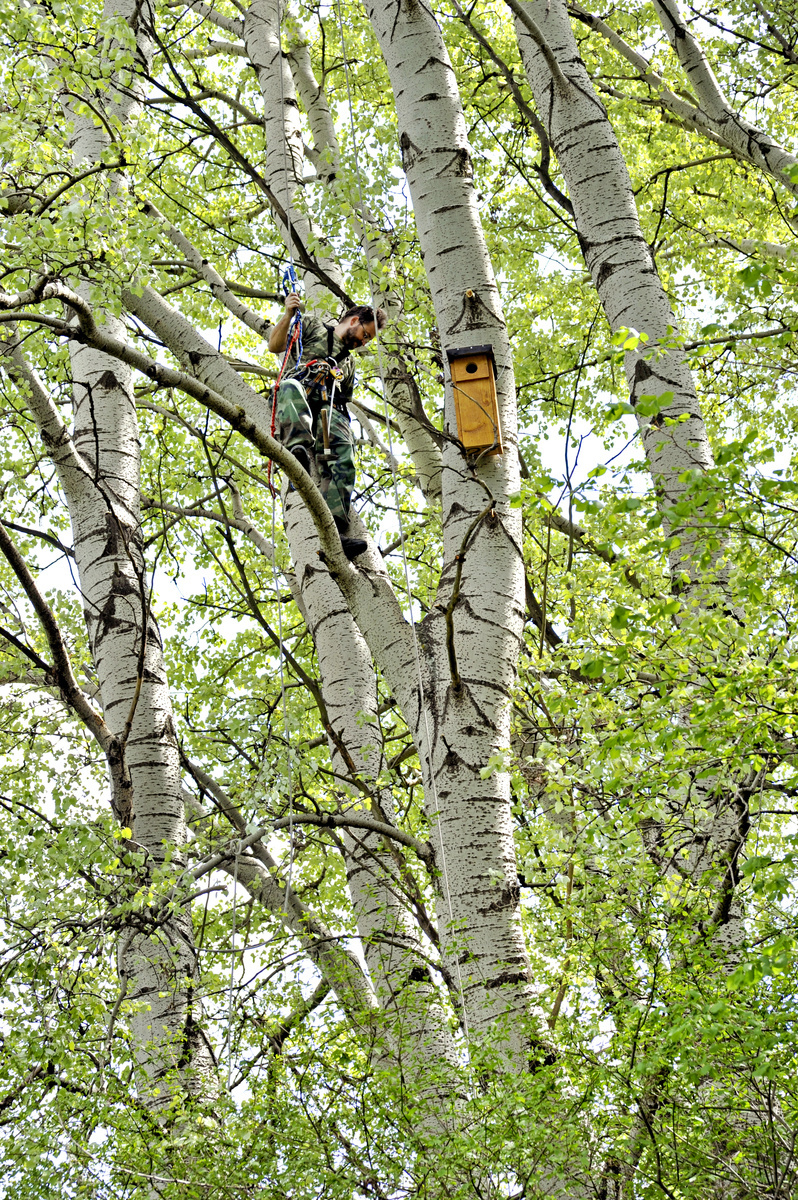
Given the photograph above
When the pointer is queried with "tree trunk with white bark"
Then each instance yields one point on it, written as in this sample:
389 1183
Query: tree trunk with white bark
675 440
158 969
387 901
285 154
460 722
623 270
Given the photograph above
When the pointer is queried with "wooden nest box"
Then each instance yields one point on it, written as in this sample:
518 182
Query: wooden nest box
473 372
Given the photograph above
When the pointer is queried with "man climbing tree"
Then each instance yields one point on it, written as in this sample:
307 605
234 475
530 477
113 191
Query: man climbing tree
312 397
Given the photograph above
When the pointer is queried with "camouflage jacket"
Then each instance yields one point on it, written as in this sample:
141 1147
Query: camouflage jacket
319 341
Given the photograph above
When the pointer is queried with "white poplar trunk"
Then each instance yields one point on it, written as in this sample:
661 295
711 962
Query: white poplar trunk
632 296
458 729
417 1030
713 821
620 262
127 652
283 130
324 154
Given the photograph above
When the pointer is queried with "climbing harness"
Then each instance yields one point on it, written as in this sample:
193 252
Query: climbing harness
403 542
319 377
318 381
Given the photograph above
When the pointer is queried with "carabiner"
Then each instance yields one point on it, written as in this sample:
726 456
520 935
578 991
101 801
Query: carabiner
290 282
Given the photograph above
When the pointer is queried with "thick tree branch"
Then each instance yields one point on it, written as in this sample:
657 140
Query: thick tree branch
263 880
712 116
237 49
89 334
230 24
772 27
351 820
203 267
279 1033
243 289
536 33
62 667
20 646
40 533
536 613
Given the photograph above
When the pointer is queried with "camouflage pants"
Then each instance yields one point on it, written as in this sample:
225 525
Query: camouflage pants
299 424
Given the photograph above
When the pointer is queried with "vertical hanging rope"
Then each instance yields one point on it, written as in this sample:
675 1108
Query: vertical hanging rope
295 339
232 971
395 477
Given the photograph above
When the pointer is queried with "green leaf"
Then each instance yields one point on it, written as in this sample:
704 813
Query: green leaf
620 617
593 668
621 409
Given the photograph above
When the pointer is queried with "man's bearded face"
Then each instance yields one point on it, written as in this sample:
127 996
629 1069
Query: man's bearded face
357 336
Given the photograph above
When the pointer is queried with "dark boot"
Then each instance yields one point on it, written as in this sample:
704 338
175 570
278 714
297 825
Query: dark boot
302 455
352 547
